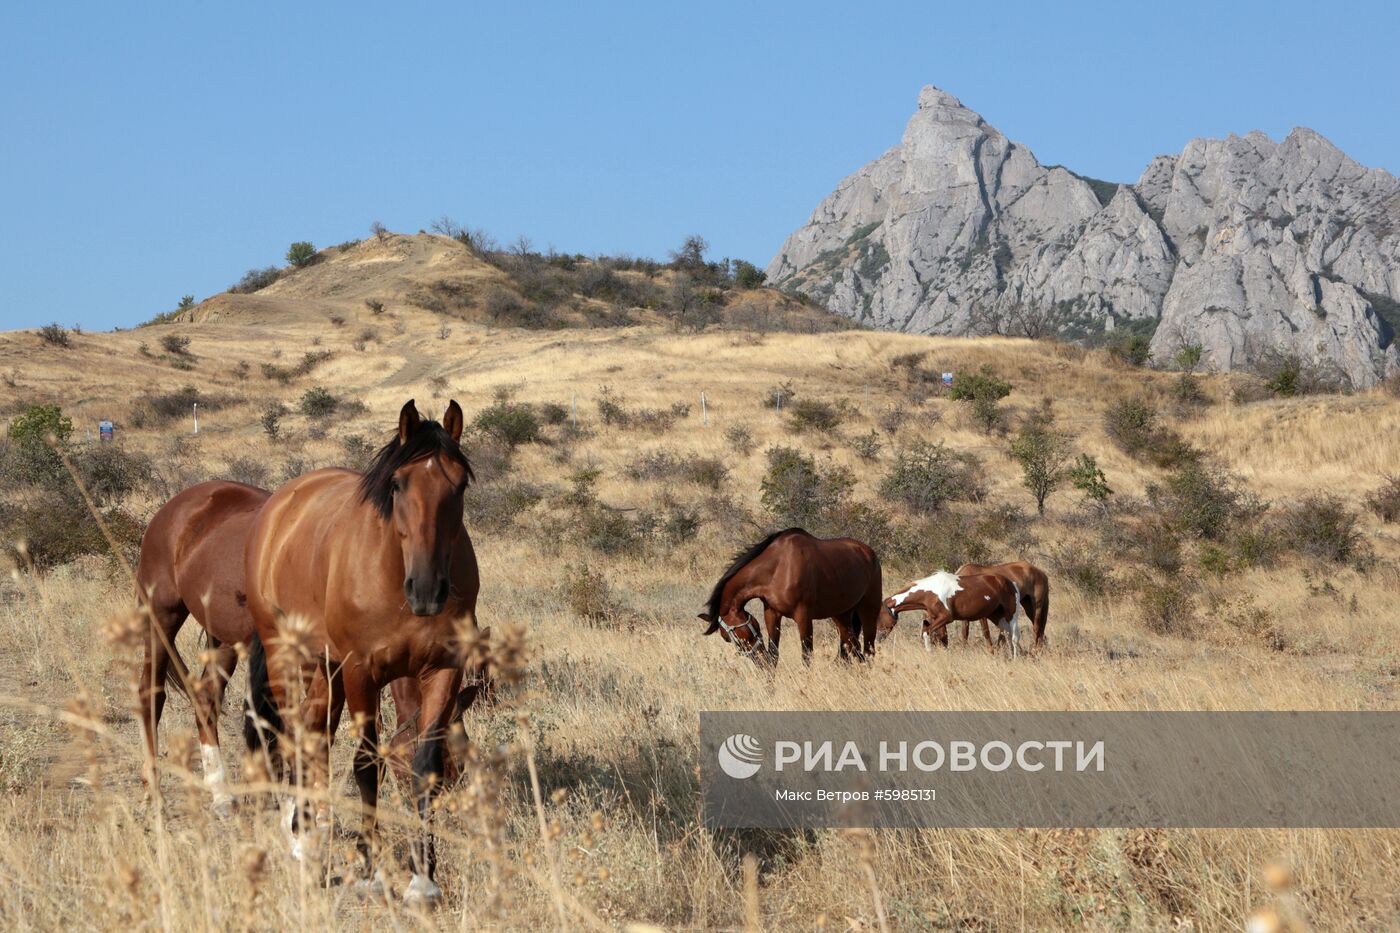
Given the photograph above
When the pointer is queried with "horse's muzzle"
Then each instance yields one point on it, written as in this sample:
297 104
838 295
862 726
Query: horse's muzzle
426 596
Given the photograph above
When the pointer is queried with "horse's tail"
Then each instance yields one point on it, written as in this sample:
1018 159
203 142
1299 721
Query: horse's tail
1042 613
262 721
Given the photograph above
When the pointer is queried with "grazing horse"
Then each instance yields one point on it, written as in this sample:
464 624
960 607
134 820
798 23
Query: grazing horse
802 577
354 581
1035 594
192 564
948 597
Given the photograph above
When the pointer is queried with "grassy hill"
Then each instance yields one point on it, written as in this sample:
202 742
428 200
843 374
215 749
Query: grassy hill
1236 565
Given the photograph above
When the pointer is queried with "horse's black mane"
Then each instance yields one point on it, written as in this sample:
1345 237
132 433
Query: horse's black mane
428 439
740 559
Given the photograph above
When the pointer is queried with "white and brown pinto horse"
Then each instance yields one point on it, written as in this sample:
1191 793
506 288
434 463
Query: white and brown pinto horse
949 597
1034 585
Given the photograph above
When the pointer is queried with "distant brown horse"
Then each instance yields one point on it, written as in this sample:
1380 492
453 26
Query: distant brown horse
803 577
376 578
947 597
1035 594
192 563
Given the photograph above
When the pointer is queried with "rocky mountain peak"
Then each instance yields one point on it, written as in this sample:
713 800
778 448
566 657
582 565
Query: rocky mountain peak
1244 245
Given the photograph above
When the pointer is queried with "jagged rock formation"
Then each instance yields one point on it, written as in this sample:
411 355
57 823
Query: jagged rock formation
1242 245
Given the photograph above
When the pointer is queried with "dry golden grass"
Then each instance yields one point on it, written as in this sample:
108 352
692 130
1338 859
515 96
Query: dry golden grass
610 713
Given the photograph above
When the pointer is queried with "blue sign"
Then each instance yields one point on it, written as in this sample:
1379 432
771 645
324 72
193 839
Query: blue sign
947 379
104 430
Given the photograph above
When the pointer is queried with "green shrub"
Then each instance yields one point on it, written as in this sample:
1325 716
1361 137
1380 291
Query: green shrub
176 344
1203 502
813 415
317 402
982 390
552 413
867 446
1165 608
708 472
256 279
740 438
1086 476
970 386
1322 527
301 253
247 470
497 506
747 275
29 458
111 473
55 335
610 408
1132 424
511 423
1132 348
1084 567
1189 357
1287 374
271 420
925 477
795 491
1385 500
589 597
60 529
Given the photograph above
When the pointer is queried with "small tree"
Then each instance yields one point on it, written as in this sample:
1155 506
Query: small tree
32 432
691 255
1042 452
186 302
747 275
1086 476
300 253
271 420
983 390
1189 356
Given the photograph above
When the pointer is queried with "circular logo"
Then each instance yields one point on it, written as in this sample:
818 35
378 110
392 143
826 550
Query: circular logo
740 756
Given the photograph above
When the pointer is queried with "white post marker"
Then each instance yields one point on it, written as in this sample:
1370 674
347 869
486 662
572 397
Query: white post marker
196 417
704 412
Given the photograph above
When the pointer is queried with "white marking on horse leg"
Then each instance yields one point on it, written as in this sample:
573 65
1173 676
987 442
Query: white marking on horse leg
289 811
422 892
214 779
928 641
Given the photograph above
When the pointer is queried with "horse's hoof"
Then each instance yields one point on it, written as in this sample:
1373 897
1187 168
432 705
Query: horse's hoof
223 807
423 893
369 889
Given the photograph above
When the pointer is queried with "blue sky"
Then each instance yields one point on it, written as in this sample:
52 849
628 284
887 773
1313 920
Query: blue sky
152 153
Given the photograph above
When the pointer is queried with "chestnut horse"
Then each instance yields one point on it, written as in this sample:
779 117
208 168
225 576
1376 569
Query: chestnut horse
948 597
376 579
1035 594
802 577
192 563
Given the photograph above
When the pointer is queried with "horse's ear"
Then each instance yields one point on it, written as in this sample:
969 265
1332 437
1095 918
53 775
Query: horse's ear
408 420
452 420
714 625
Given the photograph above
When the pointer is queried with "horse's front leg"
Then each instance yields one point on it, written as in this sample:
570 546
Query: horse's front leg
773 627
320 716
209 701
362 697
439 691
803 620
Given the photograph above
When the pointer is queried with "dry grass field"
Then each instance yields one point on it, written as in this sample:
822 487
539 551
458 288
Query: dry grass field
596 554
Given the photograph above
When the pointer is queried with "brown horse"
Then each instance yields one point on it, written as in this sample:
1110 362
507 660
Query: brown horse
946 597
802 577
192 564
1035 594
376 579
